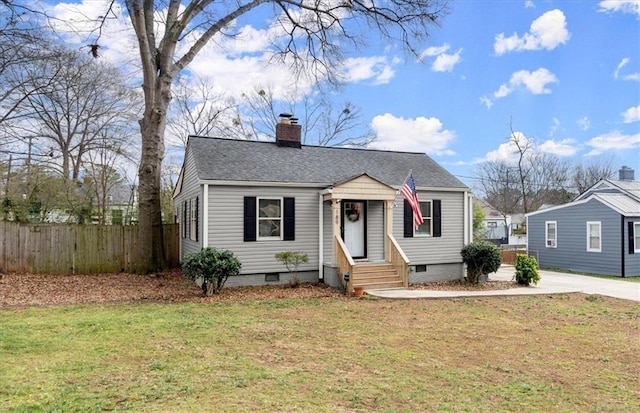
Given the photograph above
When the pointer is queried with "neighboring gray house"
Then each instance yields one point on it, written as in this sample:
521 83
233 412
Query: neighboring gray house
341 206
598 232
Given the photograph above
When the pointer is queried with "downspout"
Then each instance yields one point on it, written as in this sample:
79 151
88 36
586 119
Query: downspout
622 238
320 240
466 235
205 216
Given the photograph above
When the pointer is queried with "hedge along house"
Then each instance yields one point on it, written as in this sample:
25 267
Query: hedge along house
338 205
598 232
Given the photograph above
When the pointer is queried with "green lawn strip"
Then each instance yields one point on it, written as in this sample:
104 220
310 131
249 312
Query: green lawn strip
556 353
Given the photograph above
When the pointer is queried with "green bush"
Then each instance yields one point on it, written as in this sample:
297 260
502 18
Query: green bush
291 260
526 270
481 257
213 266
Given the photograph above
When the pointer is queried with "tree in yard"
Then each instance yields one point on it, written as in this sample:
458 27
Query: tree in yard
586 175
83 110
478 221
307 35
526 180
322 123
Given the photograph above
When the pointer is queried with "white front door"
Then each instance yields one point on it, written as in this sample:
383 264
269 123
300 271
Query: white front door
354 228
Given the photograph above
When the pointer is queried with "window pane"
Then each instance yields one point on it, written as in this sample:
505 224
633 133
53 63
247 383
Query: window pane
269 208
425 228
425 208
269 228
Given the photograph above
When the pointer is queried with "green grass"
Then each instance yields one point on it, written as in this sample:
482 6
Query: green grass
560 353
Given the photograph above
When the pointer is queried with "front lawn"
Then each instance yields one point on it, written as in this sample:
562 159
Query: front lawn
544 353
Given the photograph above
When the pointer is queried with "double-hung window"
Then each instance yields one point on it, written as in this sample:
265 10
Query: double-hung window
551 234
193 219
269 218
425 228
594 239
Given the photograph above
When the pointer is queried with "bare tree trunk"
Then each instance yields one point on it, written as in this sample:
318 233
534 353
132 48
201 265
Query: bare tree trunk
152 125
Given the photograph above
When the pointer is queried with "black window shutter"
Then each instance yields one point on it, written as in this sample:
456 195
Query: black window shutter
250 218
630 235
289 219
184 219
408 220
197 218
437 218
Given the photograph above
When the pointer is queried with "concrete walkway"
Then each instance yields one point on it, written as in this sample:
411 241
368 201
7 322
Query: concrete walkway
550 283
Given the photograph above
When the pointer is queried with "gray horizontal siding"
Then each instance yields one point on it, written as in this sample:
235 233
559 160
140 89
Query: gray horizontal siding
434 250
571 252
226 223
190 189
375 230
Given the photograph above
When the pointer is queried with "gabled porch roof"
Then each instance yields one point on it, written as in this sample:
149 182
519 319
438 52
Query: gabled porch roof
362 187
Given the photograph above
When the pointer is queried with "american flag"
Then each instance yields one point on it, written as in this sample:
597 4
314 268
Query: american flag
409 193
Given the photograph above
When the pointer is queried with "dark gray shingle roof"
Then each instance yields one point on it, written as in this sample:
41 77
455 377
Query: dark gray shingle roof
241 160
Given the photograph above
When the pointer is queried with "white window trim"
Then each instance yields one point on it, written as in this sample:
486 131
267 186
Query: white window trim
430 219
271 198
546 234
636 235
193 219
589 224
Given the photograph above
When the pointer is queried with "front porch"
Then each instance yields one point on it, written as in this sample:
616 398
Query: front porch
379 262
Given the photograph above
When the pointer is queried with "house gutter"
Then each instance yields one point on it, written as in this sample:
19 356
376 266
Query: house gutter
205 215
320 239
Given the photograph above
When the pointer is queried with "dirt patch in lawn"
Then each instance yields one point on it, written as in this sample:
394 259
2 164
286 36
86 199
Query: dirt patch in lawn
26 290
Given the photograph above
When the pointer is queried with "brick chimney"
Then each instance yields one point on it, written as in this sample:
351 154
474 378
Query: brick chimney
288 132
626 174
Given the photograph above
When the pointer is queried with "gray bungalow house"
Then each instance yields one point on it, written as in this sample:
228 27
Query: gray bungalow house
340 206
598 232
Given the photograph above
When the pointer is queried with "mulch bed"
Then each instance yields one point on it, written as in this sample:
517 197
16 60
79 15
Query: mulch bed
37 290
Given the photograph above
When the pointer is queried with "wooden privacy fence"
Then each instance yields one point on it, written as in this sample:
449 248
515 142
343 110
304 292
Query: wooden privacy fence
509 255
76 249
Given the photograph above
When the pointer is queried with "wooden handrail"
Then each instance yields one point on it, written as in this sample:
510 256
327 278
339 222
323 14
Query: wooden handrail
344 263
399 260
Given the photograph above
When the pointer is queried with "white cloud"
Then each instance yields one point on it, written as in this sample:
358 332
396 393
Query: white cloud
632 114
508 152
535 82
624 6
554 126
584 123
528 4
413 135
376 68
613 141
444 62
546 32
485 100
564 147
621 65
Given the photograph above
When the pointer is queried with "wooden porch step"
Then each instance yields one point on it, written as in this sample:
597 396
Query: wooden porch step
375 276
379 285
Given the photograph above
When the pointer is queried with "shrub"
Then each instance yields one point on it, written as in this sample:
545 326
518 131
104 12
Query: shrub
213 266
481 257
291 260
526 270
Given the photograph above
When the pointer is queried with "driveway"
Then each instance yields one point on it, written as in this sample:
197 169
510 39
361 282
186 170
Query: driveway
550 283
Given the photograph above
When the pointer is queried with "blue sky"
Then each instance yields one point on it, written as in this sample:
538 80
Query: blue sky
564 74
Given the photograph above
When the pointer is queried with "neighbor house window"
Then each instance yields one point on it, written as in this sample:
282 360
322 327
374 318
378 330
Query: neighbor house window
269 218
551 234
594 240
425 228
636 236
